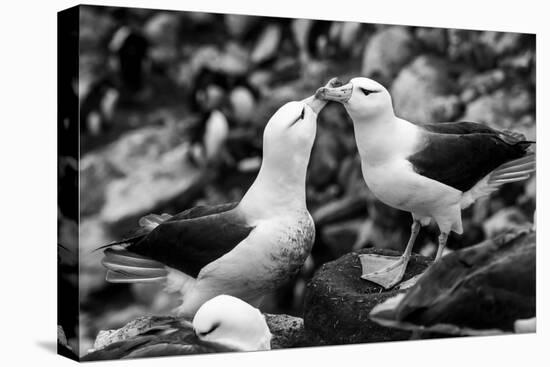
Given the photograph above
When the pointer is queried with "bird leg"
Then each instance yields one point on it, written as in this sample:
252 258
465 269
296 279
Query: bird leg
412 281
387 271
442 243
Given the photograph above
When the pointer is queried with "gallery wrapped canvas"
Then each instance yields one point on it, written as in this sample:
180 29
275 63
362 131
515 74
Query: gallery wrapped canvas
233 183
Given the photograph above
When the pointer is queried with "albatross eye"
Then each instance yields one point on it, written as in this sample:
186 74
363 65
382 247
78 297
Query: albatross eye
204 333
366 91
303 113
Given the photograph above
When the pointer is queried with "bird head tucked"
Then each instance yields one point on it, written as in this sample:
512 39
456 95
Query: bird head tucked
233 323
363 98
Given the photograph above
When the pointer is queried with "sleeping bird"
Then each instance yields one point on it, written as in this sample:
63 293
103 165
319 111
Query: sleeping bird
432 171
244 249
222 324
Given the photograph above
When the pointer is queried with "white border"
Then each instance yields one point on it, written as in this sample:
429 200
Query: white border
28 151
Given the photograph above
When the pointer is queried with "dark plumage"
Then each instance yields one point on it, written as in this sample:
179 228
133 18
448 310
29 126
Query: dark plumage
193 238
166 338
484 287
462 153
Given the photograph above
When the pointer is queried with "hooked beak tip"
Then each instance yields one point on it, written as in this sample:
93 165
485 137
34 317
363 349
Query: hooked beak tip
321 93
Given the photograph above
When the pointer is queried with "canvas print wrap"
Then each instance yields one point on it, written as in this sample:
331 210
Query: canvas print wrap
243 183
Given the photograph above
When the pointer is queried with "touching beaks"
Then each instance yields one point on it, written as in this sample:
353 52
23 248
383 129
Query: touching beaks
315 102
340 94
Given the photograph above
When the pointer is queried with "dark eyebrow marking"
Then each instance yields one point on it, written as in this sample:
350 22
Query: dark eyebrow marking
214 327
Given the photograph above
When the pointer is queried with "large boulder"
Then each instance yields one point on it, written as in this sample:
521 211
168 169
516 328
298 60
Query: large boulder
507 108
338 301
423 92
381 62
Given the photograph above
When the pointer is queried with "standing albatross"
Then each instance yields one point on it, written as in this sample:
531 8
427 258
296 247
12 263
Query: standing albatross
243 249
432 171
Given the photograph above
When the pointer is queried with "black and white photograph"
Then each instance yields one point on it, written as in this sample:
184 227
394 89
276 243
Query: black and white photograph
232 183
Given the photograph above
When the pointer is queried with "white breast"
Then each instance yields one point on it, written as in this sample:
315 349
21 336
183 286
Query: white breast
396 184
273 252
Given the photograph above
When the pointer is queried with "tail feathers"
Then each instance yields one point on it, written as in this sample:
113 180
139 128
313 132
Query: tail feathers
517 170
114 277
127 267
512 137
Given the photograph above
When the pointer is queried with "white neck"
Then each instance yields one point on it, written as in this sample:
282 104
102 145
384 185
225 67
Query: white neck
278 188
384 137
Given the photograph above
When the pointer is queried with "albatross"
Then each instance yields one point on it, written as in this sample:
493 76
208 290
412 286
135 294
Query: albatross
244 249
432 171
222 324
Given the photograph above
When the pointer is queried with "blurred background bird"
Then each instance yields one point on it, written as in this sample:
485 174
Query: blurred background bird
433 171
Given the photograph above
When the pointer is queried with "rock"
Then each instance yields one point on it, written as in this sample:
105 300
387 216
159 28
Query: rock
232 60
162 31
151 187
381 62
433 39
349 206
238 25
446 108
243 105
338 301
131 166
505 220
520 62
162 28
345 34
267 44
287 331
504 109
95 175
215 135
340 237
131 329
501 43
325 158
416 89
465 47
480 84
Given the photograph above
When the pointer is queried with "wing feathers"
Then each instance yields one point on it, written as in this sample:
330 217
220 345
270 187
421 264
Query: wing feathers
151 221
517 170
523 160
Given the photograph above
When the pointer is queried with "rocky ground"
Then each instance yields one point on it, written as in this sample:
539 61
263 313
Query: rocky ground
173 107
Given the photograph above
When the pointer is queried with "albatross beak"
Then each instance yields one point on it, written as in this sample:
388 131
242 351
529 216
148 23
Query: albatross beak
340 94
317 103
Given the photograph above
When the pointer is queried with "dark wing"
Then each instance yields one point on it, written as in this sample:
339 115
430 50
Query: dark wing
203 210
482 287
188 242
462 127
461 160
